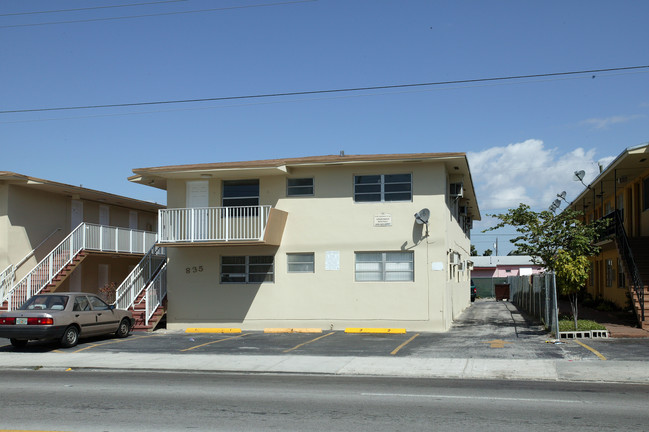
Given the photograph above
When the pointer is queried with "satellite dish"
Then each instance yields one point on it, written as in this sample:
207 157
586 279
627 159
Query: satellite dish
556 203
562 195
422 216
579 175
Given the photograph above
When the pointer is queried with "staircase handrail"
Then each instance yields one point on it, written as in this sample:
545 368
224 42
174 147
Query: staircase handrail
156 291
627 256
137 280
43 273
7 277
85 236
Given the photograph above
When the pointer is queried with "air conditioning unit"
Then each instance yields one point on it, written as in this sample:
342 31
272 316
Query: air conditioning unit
456 190
455 258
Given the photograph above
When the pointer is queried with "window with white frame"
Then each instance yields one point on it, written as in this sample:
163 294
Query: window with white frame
383 188
247 269
384 266
300 262
299 187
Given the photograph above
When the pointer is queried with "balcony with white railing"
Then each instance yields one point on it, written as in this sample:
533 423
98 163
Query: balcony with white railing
219 225
88 237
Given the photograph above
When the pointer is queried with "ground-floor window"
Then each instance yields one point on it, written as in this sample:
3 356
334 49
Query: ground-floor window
247 269
300 262
621 280
384 266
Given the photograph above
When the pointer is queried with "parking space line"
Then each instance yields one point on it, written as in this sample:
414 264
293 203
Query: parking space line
114 341
594 351
308 342
213 342
396 350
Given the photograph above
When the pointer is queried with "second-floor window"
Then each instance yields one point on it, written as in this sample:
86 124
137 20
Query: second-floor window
299 187
383 187
237 193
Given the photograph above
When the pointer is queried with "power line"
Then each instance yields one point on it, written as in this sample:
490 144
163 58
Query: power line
158 14
312 92
91 8
301 100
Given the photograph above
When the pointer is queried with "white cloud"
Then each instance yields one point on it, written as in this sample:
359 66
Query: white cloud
528 172
525 172
603 123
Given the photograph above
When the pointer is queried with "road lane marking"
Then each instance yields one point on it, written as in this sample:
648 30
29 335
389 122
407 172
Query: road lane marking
308 342
396 350
594 351
490 398
216 341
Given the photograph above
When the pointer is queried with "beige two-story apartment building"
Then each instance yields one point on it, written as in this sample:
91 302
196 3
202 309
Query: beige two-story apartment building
66 237
325 242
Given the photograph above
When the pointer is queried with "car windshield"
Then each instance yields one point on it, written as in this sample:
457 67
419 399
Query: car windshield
43 302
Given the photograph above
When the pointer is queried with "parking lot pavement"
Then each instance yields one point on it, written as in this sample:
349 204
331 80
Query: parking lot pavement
486 330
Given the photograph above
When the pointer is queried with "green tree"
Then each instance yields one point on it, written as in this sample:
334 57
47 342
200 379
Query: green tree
474 251
560 243
487 252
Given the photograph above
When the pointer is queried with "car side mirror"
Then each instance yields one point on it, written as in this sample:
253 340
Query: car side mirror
111 307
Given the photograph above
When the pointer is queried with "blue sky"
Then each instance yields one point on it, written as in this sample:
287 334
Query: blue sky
524 138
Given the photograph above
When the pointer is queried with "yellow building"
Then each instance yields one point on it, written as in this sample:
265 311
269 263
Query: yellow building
326 242
621 193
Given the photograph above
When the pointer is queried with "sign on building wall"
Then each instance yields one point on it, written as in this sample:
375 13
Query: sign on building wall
332 260
383 220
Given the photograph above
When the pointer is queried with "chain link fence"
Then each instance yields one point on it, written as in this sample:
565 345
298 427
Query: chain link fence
537 296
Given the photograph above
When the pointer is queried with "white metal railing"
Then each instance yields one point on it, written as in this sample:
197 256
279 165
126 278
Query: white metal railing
155 293
212 224
85 236
7 277
137 280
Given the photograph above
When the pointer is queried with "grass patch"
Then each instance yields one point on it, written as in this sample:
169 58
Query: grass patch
582 325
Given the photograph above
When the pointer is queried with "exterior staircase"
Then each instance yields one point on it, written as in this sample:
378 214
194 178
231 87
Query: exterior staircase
139 313
63 274
57 266
144 291
640 248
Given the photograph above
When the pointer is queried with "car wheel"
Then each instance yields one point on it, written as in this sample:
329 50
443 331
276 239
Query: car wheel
18 343
124 328
70 337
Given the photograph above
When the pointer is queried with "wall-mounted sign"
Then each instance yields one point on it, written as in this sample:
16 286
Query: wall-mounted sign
332 260
383 220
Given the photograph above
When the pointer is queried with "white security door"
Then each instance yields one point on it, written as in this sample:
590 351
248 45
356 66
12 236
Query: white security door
104 215
198 200
75 279
132 219
76 214
197 193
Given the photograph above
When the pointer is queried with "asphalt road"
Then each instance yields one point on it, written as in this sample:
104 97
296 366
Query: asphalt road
101 401
487 329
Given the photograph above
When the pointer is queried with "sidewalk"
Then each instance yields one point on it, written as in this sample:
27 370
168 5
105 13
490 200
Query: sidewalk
618 324
446 368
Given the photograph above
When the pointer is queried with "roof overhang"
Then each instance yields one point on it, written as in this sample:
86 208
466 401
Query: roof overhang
629 165
76 192
456 165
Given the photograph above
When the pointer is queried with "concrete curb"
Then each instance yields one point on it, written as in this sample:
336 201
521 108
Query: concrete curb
635 372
